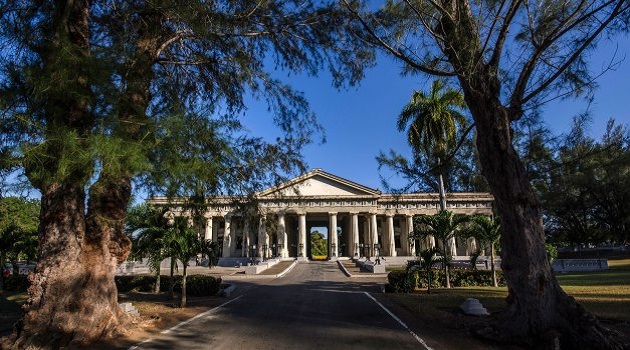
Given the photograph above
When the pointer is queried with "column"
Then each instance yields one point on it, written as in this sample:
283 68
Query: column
407 240
282 237
373 233
261 239
452 244
471 245
246 240
333 242
391 243
227 237
301 248
355 235
208 232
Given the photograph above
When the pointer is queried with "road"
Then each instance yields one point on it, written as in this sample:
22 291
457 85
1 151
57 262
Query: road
314 306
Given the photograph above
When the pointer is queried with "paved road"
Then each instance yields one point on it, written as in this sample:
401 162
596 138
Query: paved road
314 306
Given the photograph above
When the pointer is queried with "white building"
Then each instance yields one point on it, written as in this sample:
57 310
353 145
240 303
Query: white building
368 222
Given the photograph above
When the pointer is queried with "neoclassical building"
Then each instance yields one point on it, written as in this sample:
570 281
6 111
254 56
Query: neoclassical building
367 222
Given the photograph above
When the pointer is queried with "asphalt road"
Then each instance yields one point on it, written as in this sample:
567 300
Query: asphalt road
314 306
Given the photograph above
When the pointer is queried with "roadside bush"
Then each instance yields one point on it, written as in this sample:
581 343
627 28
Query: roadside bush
135 283
196 285
460 278
436 278
201 285
16 283
402 281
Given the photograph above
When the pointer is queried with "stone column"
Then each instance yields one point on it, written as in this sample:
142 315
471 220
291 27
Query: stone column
246 239
227 237
208 232
355 235
452 244
301 248
391 242
407 241
261 238
471 245
333 241
373 233
282 236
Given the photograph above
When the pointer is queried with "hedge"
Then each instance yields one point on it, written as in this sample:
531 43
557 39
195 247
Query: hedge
405 282
196 285
16 283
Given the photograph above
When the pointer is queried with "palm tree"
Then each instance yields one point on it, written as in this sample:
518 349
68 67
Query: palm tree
444 226
432 123
184 243
487 231
148 229
428 258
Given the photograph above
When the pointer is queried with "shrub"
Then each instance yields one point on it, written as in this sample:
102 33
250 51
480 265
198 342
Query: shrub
135 283
201 285
402 281
196 285
16 283
461 278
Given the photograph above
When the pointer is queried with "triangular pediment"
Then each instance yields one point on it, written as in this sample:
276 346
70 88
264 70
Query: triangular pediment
318 183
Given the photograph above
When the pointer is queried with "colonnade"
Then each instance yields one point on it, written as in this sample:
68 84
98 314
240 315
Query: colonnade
362 234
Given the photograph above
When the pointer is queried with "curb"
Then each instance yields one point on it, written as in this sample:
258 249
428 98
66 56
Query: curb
347 273
258 277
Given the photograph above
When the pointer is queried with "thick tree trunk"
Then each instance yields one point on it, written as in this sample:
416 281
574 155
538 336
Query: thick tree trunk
539 312
73 299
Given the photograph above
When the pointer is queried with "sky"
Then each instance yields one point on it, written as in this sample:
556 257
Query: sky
360 122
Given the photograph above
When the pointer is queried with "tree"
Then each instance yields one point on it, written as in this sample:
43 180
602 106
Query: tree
487 232
476 43
183 243
18 230
433 122
91 95
587 188
444 227
428 258
148 229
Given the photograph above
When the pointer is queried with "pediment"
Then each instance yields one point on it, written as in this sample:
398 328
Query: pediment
318 183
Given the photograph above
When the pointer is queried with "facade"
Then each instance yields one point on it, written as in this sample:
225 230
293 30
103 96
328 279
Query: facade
367 222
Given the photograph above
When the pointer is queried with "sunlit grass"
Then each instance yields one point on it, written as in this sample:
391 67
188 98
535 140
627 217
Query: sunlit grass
604 293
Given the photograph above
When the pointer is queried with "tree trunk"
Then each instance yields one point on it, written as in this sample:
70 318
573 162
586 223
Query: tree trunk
171 286
539 312
445 259
492 267
183 296
157 282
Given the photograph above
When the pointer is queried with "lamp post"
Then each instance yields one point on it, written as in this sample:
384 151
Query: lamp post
361 252
264 251
274 252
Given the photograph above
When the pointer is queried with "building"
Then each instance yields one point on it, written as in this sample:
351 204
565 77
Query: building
368 223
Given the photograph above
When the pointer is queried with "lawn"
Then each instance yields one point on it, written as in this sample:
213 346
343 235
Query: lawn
604 293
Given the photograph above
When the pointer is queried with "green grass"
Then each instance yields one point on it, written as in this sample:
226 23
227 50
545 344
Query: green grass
604 293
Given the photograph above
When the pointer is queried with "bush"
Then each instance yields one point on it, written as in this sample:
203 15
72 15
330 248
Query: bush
16 283
196 285
402 281
201 285
462 278
436 278
135 283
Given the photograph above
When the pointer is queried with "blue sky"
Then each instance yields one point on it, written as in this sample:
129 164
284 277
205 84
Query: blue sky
360 122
